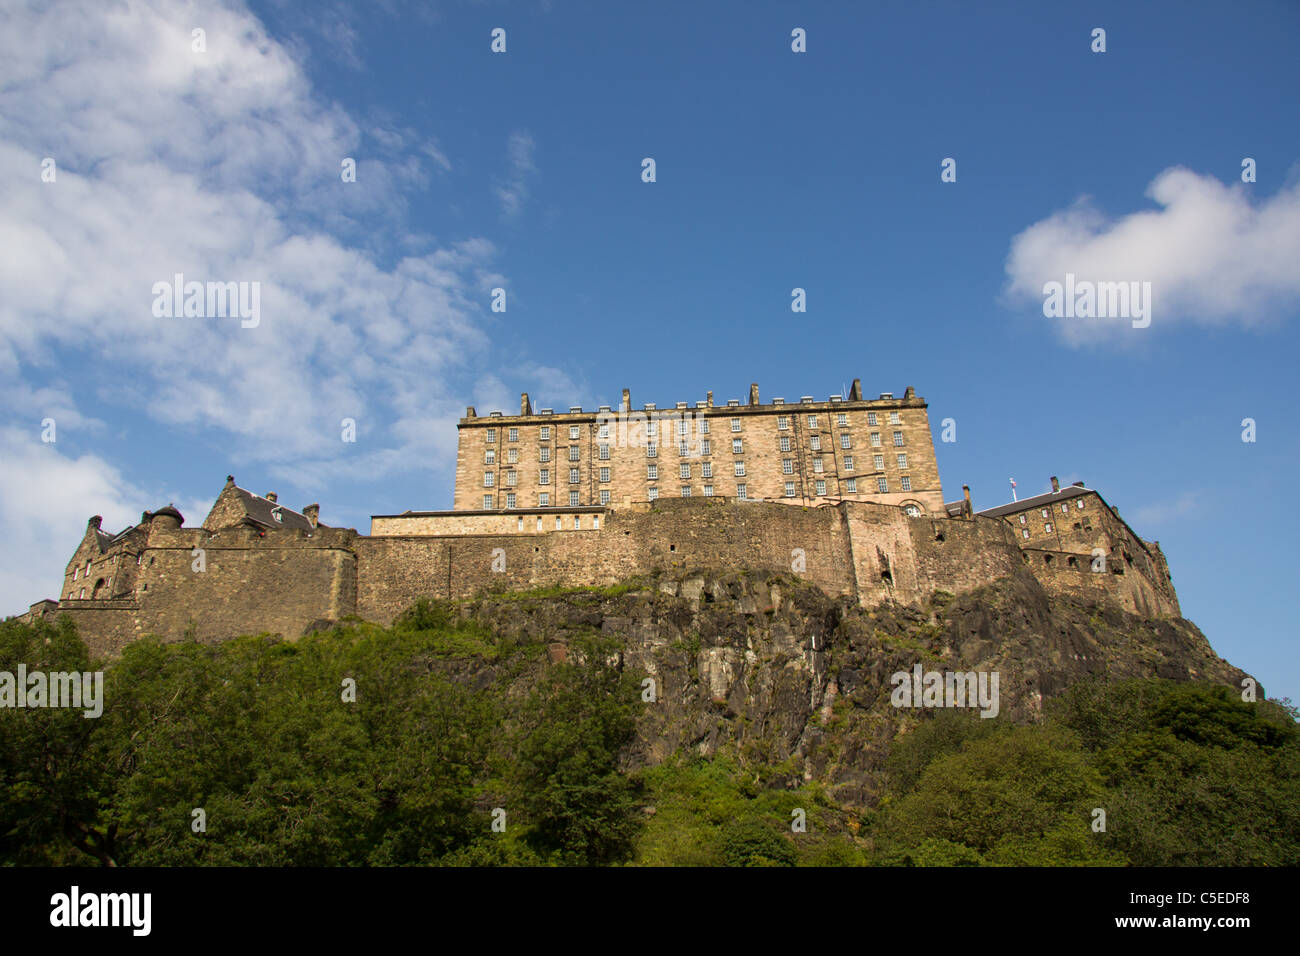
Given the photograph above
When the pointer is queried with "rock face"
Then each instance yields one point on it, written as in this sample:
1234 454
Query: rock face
790 676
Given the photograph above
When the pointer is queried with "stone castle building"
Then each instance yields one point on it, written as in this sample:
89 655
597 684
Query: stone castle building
844 493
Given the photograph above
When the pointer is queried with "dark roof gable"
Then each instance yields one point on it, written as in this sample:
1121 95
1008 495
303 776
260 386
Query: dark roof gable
1038 501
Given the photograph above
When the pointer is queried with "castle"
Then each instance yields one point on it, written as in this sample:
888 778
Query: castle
843 493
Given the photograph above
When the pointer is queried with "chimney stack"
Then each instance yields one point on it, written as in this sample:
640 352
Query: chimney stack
909 392
525 406
469 412
1056 485
753 394
855 393
312 514
272 496
95 521
708 398
627 401
967 509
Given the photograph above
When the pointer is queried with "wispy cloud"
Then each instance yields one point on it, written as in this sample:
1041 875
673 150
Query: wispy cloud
521 169
1166 512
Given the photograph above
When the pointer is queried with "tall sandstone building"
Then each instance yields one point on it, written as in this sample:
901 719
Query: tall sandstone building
805 452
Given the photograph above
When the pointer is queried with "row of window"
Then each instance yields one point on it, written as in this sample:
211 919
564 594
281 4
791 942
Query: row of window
683 426
850 487
706 471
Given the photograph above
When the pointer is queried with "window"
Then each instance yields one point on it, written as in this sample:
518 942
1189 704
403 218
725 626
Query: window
574 431
846 441
520 525
707 449
604 475
812 421
573 452
789 489
894 419
558 522
573 499
512 478
652 428
544 453
683 427
708 491
546 433
512 456
851 485
912 511
704 426
875 439
882 485
686 491
490 458
1048 527
544 476
735 424
898 438
603 452
1065 507
543 501
871 418
577 522
741 492
682 449
902 461
821 488
510 499
603 431
815 442
684 471
842 419
878 462
706 469
787 466
652 449
514 434
491 434
595 522
653 494
740 469
785 442
737 447
604 499
573 476
782 422
489 479
907 482
1044 512
652 472
1024 533
1024 520
487 502
817 465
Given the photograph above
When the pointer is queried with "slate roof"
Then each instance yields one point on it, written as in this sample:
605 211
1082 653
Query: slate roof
1038 501
263 511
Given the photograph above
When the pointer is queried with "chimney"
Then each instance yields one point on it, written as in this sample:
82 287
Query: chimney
230 479
469 412
967 510
312 514
855 393
272 496
753 394
1056 485
708 398
1078 484
144 518
909 392
525 406
627 401
95 521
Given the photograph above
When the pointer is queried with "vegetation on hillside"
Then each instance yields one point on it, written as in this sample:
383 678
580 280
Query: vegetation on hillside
460 747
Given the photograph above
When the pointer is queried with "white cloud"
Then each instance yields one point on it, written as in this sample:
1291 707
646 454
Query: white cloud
1212 253
521 170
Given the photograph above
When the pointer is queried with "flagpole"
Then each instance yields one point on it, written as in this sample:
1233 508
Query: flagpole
1013 489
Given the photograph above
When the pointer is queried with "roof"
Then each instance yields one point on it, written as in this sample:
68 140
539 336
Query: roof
1038 501
955 507
264 511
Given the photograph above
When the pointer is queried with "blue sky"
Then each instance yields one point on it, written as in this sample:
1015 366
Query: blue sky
774 170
